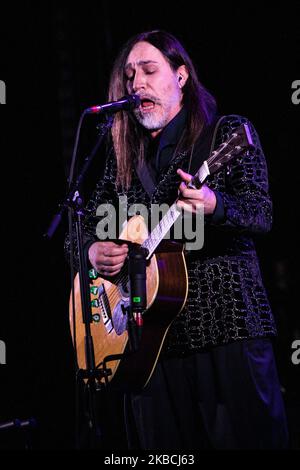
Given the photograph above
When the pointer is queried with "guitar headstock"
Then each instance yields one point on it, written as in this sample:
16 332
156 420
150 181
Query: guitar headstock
239 141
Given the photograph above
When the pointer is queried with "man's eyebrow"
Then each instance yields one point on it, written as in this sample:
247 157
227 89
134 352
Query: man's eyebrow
140 62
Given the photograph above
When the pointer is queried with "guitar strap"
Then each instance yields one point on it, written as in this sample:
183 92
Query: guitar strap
205 147
146 178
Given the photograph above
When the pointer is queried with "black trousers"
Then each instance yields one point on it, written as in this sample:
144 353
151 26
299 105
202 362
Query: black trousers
226 398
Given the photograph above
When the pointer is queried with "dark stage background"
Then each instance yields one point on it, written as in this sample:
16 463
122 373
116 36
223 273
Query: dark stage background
55 61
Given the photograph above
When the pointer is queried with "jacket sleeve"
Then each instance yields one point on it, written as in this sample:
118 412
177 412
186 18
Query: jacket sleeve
244 203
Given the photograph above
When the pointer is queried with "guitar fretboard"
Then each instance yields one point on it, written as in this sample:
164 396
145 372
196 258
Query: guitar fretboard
160 231
169 219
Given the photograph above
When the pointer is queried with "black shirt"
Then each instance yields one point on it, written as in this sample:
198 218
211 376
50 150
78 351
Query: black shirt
160 149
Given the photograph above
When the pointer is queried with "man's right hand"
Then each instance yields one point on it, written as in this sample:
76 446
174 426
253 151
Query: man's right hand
107 257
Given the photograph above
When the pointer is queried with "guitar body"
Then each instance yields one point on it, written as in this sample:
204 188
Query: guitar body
167 287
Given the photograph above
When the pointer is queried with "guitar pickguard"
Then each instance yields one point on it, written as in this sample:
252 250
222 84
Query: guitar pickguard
120 316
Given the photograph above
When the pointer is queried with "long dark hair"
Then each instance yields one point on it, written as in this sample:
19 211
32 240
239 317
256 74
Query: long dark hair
127 134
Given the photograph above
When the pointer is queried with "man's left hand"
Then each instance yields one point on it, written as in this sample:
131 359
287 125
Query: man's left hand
189 199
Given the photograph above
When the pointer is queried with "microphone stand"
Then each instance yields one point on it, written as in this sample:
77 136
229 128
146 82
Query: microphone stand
74 203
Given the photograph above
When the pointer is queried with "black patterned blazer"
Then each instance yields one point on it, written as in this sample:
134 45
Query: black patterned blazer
227 300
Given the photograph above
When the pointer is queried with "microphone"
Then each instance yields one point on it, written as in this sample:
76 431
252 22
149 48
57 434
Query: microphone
17 423
126 103
138 295
137 276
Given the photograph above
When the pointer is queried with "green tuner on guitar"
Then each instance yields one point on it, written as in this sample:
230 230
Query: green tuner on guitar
93 274
94 290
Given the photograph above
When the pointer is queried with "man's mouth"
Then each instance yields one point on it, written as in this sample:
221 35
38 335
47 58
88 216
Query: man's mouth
147 105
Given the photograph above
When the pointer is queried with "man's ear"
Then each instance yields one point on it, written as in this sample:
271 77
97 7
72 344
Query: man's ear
182 75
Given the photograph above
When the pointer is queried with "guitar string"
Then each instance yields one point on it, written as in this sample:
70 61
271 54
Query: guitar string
217 152
120 279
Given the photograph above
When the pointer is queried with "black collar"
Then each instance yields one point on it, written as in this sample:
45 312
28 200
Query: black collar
173 131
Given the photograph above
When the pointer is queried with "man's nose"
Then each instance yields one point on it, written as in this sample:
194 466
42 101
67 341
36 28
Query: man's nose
139 82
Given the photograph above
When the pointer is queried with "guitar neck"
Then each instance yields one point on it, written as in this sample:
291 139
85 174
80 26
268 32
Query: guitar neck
161 230
169 219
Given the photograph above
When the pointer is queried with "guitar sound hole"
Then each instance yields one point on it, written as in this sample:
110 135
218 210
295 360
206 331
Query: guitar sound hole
120 317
